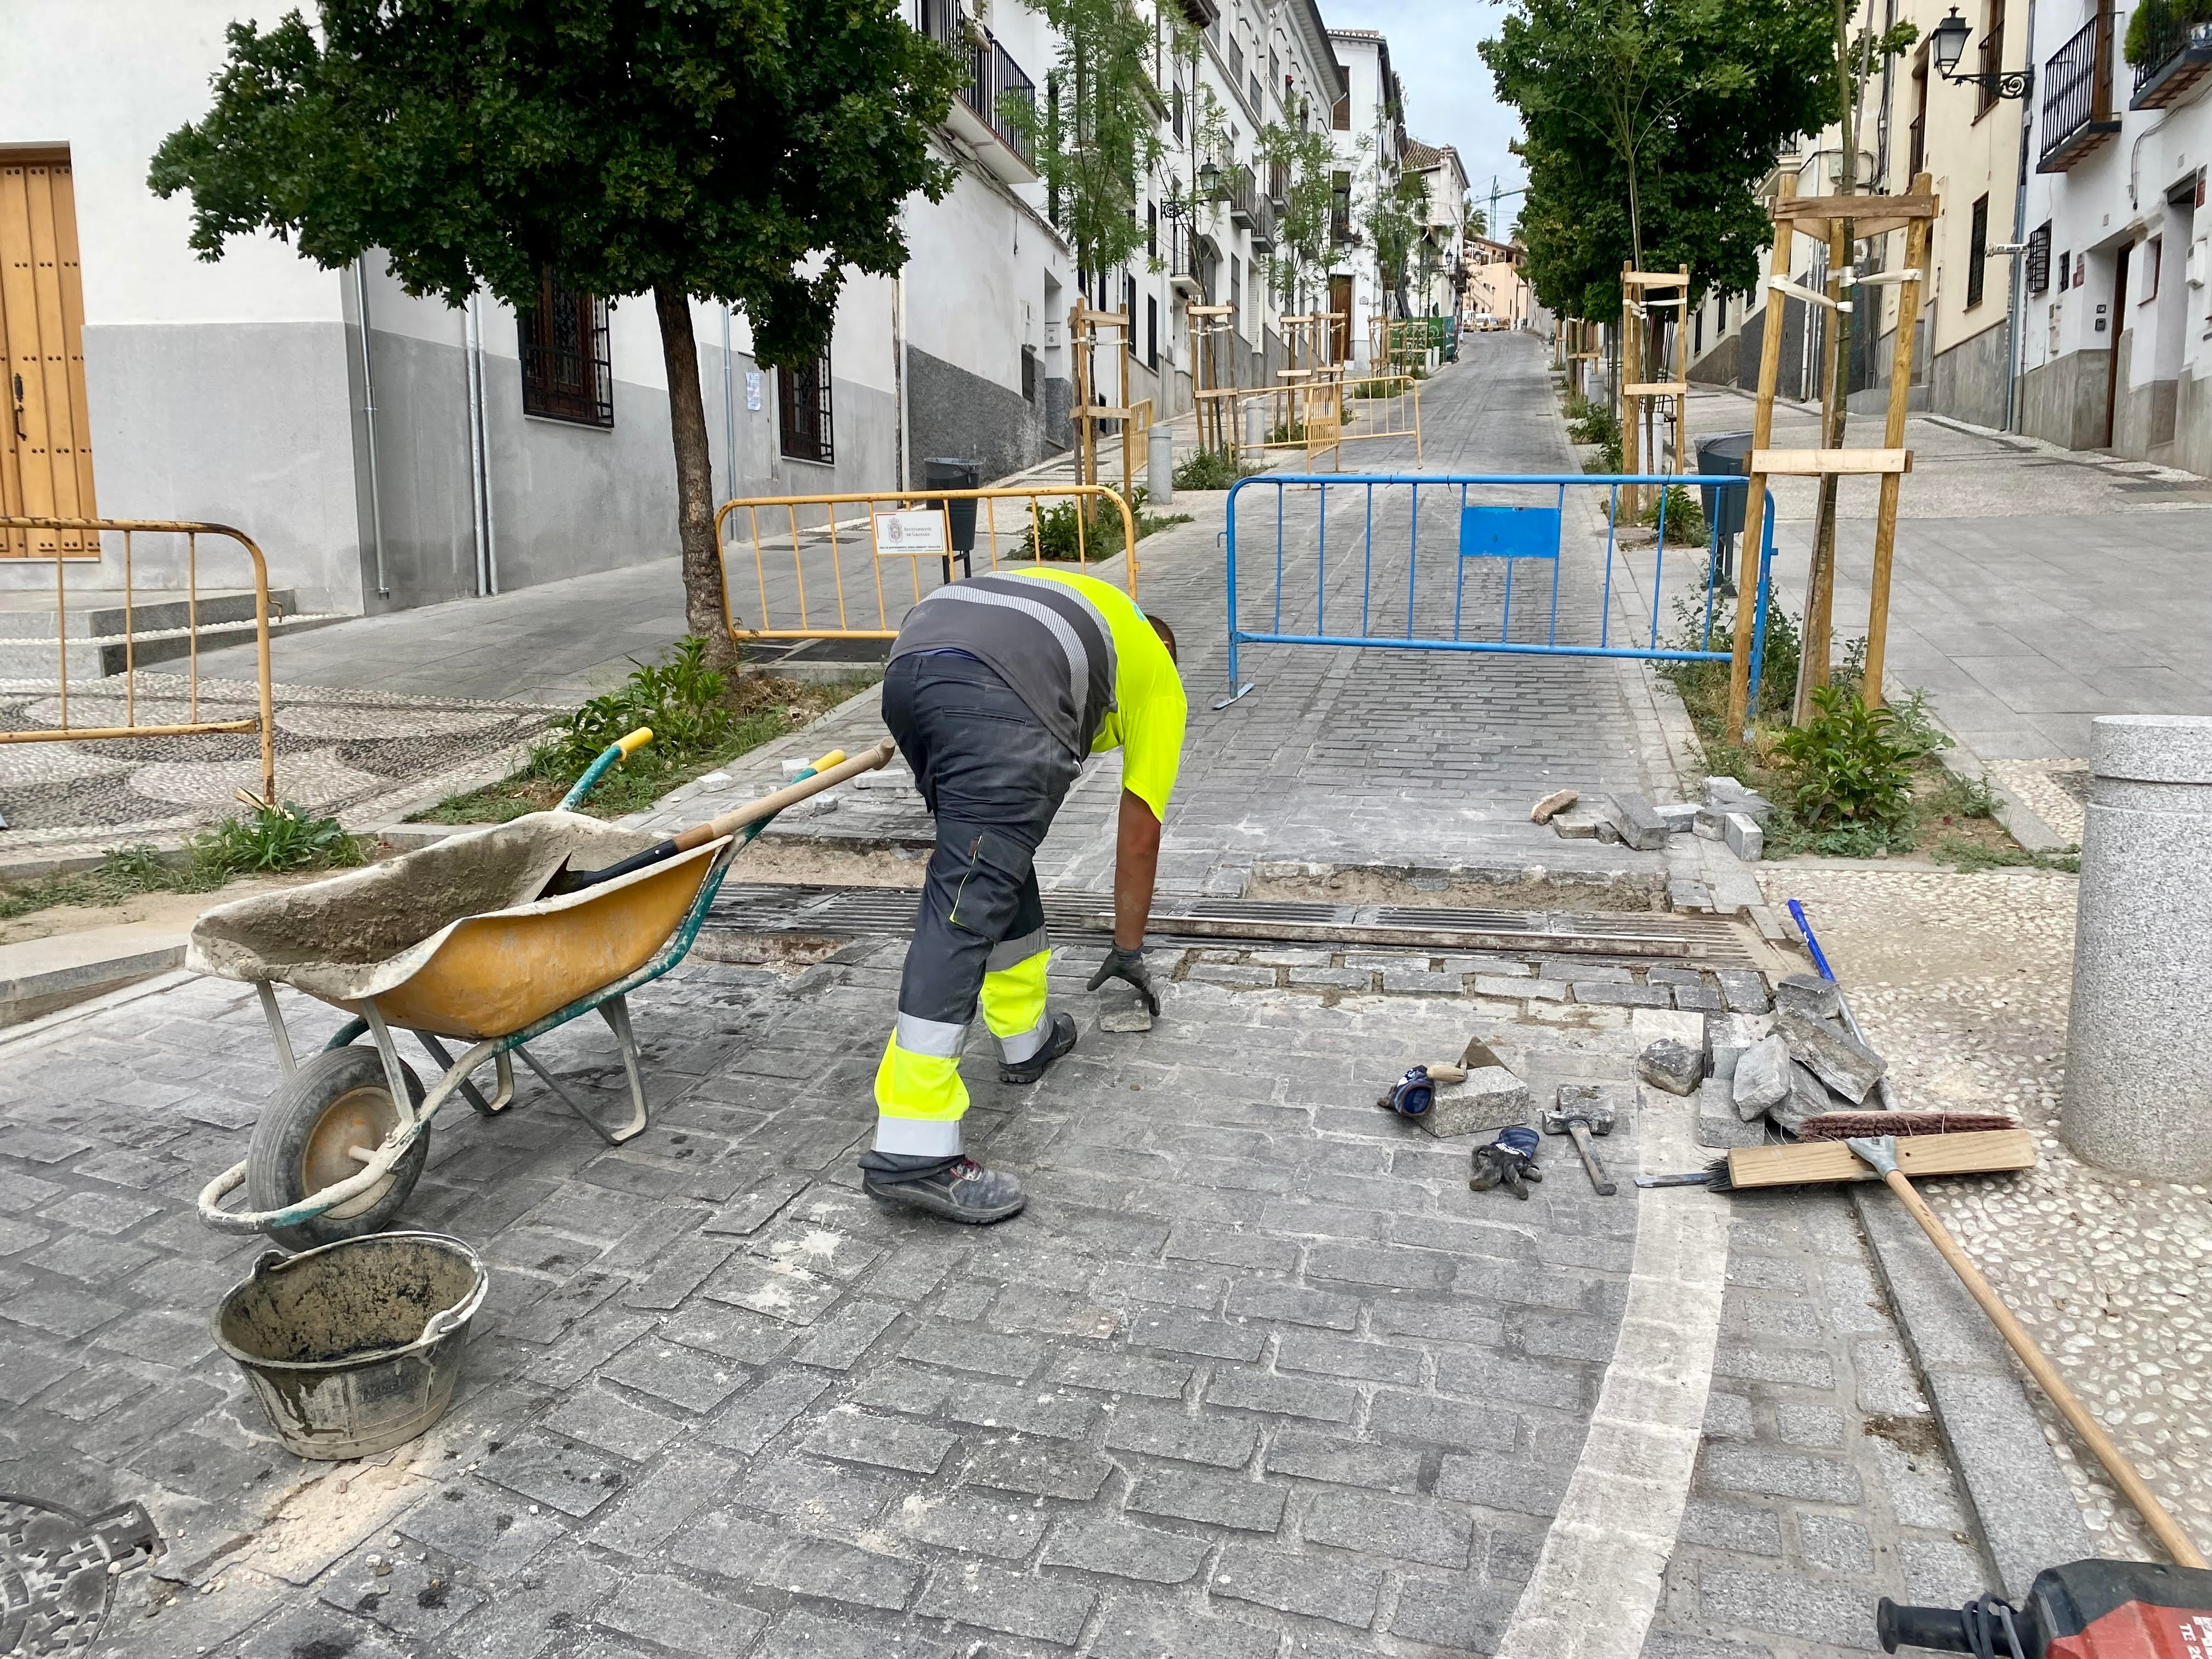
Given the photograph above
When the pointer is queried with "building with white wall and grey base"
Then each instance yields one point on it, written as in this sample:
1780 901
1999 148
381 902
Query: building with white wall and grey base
2117 345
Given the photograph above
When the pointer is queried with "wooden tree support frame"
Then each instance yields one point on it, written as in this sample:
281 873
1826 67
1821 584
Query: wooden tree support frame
1824 217
1208 323
1087 331
1636 396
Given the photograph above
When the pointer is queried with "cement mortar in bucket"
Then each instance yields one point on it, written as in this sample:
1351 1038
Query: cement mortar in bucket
354 1348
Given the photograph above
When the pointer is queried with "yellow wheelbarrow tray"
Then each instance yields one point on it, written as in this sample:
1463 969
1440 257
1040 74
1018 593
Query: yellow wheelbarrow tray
457 940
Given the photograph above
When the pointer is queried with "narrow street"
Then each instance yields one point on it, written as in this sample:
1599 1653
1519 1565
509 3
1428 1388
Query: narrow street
1256 1374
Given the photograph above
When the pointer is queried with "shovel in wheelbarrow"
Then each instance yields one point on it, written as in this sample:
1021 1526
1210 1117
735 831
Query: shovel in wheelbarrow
747 822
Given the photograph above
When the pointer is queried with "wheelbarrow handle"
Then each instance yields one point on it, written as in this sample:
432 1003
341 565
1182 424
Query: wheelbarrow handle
613 753
315 1204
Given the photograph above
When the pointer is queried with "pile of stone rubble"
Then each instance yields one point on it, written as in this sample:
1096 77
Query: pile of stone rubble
1784 1067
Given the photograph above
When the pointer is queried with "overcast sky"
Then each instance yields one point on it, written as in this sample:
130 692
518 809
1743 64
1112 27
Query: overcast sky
1449 98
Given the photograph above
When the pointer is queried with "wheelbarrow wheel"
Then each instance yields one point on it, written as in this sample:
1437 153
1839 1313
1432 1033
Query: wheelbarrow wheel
306 1140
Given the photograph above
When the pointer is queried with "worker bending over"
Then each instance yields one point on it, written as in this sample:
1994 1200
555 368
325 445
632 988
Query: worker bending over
997 689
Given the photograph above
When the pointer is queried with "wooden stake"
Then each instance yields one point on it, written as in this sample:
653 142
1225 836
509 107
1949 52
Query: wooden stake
1681 466
1818 641
1754 505
1900 392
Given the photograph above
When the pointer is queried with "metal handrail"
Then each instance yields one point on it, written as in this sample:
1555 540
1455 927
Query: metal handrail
264 722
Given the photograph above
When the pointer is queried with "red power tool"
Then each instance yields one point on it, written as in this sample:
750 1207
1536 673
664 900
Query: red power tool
2085 1610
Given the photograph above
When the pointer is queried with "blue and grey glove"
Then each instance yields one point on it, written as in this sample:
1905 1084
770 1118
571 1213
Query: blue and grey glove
1509 1162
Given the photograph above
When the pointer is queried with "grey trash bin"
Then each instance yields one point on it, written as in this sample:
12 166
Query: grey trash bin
1721 453
949 472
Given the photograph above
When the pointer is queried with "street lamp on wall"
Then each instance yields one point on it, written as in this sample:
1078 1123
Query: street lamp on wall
1209 182
1947 43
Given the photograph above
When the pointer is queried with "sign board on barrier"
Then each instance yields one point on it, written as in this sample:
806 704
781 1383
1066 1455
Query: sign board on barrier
911 530
1509 532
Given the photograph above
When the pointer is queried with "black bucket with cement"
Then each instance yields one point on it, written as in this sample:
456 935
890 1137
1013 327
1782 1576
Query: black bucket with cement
354 1348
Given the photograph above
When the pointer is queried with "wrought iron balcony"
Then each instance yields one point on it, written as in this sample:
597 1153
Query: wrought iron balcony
2077 97
994 81
2170 46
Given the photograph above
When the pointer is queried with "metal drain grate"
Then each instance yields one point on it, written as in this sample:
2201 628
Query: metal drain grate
763 907
57 1571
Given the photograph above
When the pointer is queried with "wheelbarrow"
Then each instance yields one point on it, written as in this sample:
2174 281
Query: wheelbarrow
472 939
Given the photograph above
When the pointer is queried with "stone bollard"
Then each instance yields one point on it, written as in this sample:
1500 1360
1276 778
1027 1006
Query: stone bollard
1255 424
1160 467
2138 1097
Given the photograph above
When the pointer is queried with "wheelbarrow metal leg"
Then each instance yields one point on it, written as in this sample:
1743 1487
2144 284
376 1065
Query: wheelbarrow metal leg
277 1034
616 1011
613 1137
469 1091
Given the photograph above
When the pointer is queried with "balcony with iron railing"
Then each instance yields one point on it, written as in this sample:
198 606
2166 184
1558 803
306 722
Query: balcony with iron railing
980 110
1249 207
2077 97
2169 43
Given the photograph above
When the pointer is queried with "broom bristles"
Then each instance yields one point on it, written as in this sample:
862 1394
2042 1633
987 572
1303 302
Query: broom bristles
1717 1172
1850 1126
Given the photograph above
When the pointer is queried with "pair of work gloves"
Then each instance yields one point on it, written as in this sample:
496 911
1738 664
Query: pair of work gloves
1129 966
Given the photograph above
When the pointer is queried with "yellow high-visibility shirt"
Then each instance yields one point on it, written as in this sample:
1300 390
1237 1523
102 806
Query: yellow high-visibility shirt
1150 712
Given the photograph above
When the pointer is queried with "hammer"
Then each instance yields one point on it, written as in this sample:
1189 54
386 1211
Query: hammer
1582 1113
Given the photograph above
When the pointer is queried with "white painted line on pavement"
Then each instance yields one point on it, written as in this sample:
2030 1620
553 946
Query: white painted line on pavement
1598 1581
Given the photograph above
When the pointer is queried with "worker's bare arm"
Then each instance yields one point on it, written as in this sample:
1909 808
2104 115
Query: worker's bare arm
1136 866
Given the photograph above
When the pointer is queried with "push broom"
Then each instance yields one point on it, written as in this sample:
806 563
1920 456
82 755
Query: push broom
1870 1146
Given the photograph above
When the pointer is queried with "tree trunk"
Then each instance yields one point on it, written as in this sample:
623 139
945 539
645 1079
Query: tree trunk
695 478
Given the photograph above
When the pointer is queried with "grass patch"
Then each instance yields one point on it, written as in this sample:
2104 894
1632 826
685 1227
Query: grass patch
1969 856
268 841
700 719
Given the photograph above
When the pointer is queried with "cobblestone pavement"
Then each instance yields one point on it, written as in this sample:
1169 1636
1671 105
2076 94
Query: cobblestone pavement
2107 1272
340 751
1425 760
1254 1375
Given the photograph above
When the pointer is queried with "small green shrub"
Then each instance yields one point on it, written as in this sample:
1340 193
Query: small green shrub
1593 423
269 840
680 699
1686 517
1959 797
1849 765
1968 856
1292 432
1210 469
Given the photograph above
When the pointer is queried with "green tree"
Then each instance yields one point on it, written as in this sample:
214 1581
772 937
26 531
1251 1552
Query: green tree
1302 243
1396 216
1097 131
1649 124
746 151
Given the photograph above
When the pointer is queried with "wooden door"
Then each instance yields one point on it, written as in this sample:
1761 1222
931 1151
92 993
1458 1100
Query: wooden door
1340 331
46 443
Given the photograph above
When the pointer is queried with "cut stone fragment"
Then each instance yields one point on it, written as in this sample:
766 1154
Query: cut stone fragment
1639 823
1552 805
1745 990
1491 1098
1807 1098
1810 995
1744 837
1678 814
1837 1058
1729 1038
1578 826
1762 1076
1706 826
1670 1066
1608 833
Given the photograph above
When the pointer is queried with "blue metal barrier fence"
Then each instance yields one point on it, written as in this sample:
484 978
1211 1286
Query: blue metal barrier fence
1511 531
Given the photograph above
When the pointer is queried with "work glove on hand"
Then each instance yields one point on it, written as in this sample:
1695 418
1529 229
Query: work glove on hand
1128 965
1507 1161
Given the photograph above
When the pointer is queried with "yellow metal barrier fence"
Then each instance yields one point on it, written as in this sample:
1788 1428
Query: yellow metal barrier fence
808 552
1388 406
263 723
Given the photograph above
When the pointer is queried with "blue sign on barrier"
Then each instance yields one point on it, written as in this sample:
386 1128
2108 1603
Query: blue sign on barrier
1433 617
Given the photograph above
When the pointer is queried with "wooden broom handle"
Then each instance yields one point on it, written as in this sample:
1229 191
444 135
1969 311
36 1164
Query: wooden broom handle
790 795
2162 1524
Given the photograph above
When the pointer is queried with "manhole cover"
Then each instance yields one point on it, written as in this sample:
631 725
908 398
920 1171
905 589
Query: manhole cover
57 1571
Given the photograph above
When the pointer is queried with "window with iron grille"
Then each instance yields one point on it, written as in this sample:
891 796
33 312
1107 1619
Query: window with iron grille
803 411
1340 207
566 374
1978 251
2039 258
1152 331
1029 373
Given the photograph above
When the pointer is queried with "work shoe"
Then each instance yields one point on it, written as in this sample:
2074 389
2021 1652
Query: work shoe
1061 1039
960 1190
